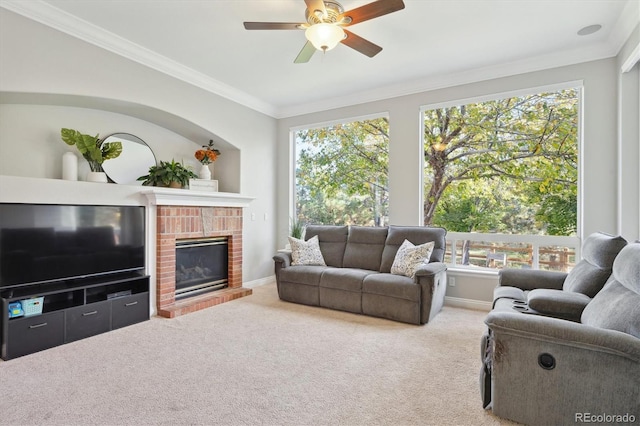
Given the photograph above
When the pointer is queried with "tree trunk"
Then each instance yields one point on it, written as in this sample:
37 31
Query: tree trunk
437 162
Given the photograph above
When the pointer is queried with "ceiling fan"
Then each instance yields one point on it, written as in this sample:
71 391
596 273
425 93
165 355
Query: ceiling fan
325 24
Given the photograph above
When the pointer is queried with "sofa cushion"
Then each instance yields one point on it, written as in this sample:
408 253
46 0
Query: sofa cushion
391 285
409 257
348 279
306 252
364 247
617 305
333 240
308 275
417 235
599 251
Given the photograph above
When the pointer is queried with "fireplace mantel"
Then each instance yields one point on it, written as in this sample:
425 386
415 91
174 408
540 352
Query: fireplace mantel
185 197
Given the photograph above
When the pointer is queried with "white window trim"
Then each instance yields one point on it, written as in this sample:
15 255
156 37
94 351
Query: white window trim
536 240
318 125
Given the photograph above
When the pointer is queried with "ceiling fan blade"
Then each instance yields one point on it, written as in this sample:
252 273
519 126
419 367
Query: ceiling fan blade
305 54
372 10
272 25
313 5
360 44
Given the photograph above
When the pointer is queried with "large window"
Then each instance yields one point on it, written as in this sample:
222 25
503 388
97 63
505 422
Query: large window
341 173
508 167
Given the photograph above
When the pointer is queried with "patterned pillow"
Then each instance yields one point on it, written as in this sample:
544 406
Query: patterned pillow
410 256
306 252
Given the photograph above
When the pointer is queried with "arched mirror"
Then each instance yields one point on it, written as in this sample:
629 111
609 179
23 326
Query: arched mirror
133 162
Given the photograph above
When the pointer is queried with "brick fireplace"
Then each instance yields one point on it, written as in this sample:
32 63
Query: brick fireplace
181 222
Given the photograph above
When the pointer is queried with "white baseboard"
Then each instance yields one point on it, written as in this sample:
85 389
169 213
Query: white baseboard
478 305
259 282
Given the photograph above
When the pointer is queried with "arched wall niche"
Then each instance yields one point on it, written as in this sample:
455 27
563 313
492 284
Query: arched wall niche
227 172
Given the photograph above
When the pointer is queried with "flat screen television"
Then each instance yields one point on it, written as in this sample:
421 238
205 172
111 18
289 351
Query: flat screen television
42 243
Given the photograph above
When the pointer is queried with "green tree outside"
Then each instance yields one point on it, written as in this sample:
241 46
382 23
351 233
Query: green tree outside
341 173
510 164
507 165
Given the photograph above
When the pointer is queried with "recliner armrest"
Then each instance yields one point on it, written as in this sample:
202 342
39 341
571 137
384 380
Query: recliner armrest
282 260
429 269
546 370
558 303
565 333
432 279
530 279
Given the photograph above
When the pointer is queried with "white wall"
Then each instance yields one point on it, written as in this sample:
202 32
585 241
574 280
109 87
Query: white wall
629 141
35 59
36 130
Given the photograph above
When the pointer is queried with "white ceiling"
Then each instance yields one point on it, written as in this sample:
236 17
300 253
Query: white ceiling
429 44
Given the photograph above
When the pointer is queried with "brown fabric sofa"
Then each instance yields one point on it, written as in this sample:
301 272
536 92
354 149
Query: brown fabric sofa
357 275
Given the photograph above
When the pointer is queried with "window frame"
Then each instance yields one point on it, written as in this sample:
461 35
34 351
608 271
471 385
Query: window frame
536 240
293 152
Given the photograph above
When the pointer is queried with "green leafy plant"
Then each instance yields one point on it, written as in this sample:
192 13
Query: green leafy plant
167 173
92 148
296 228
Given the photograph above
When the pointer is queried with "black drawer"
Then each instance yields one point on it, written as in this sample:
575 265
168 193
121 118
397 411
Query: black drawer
87 320
33 334
129 310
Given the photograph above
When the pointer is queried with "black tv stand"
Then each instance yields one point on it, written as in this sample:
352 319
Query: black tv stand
72 310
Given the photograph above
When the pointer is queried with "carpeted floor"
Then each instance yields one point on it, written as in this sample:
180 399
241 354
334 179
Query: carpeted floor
256 360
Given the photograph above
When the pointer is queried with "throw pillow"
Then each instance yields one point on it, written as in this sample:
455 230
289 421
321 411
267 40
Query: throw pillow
306 252
410 256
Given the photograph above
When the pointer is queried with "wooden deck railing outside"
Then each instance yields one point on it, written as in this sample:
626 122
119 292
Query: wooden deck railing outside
496 251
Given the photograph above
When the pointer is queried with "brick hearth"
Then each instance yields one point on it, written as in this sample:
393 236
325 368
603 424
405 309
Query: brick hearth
184 222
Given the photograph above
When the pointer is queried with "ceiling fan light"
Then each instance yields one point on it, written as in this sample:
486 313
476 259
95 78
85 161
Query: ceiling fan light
324 36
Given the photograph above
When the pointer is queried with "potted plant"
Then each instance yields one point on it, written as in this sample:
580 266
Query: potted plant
296 229
93 150
207 156
169 174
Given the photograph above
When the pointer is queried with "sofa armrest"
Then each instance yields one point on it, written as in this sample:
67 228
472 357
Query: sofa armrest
567 368
281 260
432 279
284 258
529 279
430 269
558 303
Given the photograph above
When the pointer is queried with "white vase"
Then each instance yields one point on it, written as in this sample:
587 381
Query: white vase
69 166
97 177
205 172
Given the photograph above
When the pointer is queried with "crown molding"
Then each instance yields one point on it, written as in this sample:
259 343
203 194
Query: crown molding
429 83
628 20
60 20
53 17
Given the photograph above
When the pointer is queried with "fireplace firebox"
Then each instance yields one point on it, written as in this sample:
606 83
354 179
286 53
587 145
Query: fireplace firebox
202 266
